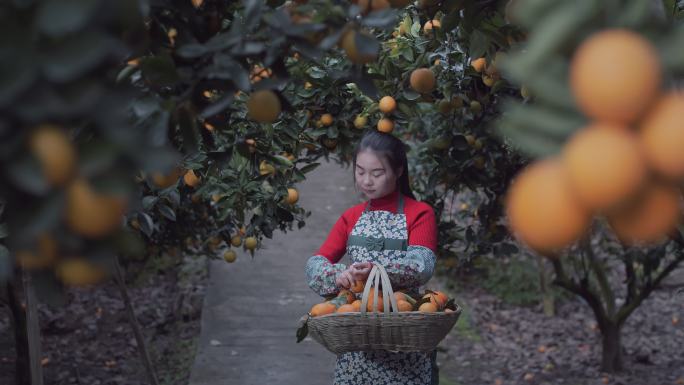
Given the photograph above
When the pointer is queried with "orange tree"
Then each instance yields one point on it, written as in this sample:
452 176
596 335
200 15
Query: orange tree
440 65
603 79
250 114
181 142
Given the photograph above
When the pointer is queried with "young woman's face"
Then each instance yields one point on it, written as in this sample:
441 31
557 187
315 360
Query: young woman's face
374 176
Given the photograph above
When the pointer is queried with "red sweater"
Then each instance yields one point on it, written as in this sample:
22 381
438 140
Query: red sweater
420 218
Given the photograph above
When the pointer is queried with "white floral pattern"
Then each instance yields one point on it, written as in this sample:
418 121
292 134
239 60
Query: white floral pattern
320 274
407 270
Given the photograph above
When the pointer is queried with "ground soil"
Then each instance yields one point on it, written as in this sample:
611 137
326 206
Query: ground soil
504 344
90 340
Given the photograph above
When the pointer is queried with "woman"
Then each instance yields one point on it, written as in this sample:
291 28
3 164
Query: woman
393 229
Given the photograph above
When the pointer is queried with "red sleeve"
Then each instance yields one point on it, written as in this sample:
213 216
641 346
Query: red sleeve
423 229
336 244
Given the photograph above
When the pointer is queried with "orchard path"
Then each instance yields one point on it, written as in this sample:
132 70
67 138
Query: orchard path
252 306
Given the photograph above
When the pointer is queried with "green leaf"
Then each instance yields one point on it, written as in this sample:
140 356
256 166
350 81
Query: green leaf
167 212
192 51
225 67
60 17
451 20
543 120
282 160
367 45
552 35
479 42
548 84
383 19
252 13
670 50
146 223
411 95
27 174
148 202
77 55
635 13
309 167
218 107
126 73
159 70
530 143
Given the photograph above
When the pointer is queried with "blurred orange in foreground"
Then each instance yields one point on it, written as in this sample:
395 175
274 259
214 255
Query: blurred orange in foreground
542 211
605 165
615 75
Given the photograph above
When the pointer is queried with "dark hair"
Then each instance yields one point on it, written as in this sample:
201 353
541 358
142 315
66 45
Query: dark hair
393 150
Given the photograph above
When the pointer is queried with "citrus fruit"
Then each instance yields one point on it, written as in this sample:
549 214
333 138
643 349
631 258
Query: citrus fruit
349 46
346 308
90 213
387 104
404 306
541 210
385 125
662 136
650 217
42 255
360 121
263 106
236 241
191 179
604 165
250 243
326 119
79 272
55 153
428 307
479 64
358 286
292 196
322 309
430 26
422 80
163 180
614 75
230 256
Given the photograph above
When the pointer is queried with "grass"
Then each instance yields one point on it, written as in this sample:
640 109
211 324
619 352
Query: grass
446 381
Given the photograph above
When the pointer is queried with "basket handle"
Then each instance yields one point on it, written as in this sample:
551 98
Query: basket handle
377 276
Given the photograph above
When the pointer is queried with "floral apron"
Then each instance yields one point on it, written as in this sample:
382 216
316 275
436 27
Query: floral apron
382 237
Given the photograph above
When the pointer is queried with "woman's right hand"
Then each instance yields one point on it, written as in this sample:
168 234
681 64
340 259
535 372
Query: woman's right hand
361 270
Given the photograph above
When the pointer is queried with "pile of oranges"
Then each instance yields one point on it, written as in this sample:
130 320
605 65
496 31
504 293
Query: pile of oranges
625 165
349 301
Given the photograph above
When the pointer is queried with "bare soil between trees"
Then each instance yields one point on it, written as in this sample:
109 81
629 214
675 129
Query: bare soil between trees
91 341
497 343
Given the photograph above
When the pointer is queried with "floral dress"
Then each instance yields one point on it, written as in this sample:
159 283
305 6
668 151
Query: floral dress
381 237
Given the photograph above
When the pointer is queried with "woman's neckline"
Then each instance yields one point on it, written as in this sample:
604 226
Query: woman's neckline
383 201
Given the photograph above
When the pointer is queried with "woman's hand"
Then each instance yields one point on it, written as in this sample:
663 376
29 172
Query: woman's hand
356 272
345 279
361 270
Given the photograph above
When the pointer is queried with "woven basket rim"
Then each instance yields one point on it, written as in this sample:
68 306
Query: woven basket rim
390 314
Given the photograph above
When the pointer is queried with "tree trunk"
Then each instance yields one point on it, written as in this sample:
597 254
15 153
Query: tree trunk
611 361
22 371
547 296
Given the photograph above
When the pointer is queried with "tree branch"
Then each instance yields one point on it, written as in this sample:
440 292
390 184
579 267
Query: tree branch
631 277
629 307
581 290
604 286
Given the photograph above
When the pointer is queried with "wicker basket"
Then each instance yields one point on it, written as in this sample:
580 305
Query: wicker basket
389 330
